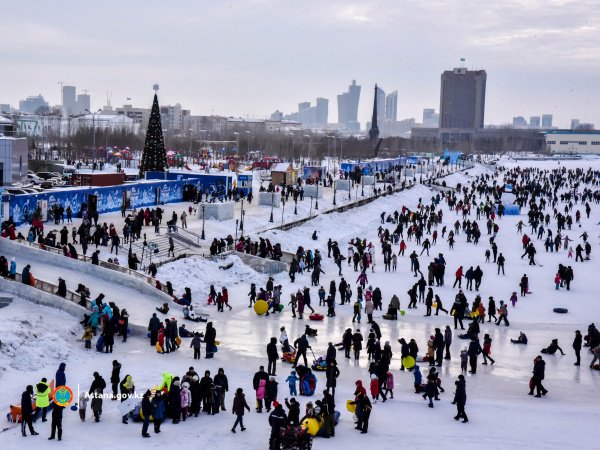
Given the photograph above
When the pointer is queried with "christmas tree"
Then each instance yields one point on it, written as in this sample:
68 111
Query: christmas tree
154 156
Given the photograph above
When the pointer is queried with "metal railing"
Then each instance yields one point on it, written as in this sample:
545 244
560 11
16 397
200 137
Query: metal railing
45 286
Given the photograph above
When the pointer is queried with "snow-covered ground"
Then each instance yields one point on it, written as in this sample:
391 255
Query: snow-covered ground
501 413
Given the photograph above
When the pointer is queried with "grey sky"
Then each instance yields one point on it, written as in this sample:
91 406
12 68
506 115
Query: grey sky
252 57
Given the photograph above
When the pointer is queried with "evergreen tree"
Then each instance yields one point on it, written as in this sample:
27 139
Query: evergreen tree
154 156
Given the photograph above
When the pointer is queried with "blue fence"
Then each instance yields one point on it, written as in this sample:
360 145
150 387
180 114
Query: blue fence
216 185
22 207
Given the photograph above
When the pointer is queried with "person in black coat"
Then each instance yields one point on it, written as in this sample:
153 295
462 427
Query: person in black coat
205 392
56 425
331 353
26 275
357 340
347 342
278 419
221 380
147 411
438 345
210 336
260 375
153 328
62 288
115 378
328 412
272 355
26 411
460 399
293 411
473 352
577 346
98 383
301 345
539 372
109 338
332 374
175 400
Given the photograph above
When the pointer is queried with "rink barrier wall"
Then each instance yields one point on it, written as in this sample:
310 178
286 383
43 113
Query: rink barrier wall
10 248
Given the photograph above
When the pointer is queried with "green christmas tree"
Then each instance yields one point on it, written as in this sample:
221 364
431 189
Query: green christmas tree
154 156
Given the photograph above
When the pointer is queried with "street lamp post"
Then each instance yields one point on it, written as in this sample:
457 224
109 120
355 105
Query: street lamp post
237 142
282 209
94 130
242 218
248 142
310 212
334 183
317 199
296 205
362 185
236 228
272 200
203 208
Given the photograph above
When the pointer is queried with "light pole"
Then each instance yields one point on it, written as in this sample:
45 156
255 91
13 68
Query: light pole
203 207
247 142
236 228
334 186
282 209
272 200
308 156
94 130
237 142
362 185
242 218
190 150
296 205
317 199
310 212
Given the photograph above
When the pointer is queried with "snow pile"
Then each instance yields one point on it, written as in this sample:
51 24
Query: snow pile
199 273
32 341
467 176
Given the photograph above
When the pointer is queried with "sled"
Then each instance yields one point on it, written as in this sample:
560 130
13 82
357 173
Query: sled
312 426
178 341
351 406
289 357
280 307
316 316
402 312
158 348
388 317
560 310
296 438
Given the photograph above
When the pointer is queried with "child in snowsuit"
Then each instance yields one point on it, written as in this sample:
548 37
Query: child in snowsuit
270 393
87 337
374 388
431 392
96 404
252 295
513 299
418 379
291 381
389 385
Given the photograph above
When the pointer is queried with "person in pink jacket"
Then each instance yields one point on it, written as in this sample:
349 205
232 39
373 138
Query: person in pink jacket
389 385
186 399
260 394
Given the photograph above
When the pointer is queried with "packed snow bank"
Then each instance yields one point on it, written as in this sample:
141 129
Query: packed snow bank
33 340
199 273
467 176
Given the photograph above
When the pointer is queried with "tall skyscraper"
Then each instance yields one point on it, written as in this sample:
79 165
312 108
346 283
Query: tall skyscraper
574 124
546 120
69 102
391 106
380 104
348 107
519 122
534 121
322 111
462 98
83 103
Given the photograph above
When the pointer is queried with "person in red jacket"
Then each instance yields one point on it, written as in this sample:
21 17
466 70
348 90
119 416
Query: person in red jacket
458 275
359 389
374 387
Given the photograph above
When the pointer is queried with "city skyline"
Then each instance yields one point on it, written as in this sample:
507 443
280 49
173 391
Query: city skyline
317 52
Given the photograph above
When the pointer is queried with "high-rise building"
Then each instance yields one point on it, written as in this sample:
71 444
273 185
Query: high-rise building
431 118
546 120
83 103
32 104
380 104
574 124
534 121
391 106
322 111
69 101
519 122
4 108
313 115
462 99
348 107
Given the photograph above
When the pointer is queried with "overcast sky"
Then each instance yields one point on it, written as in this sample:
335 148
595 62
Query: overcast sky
249 58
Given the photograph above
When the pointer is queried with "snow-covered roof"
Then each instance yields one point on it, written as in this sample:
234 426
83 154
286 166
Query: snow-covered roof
280 167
